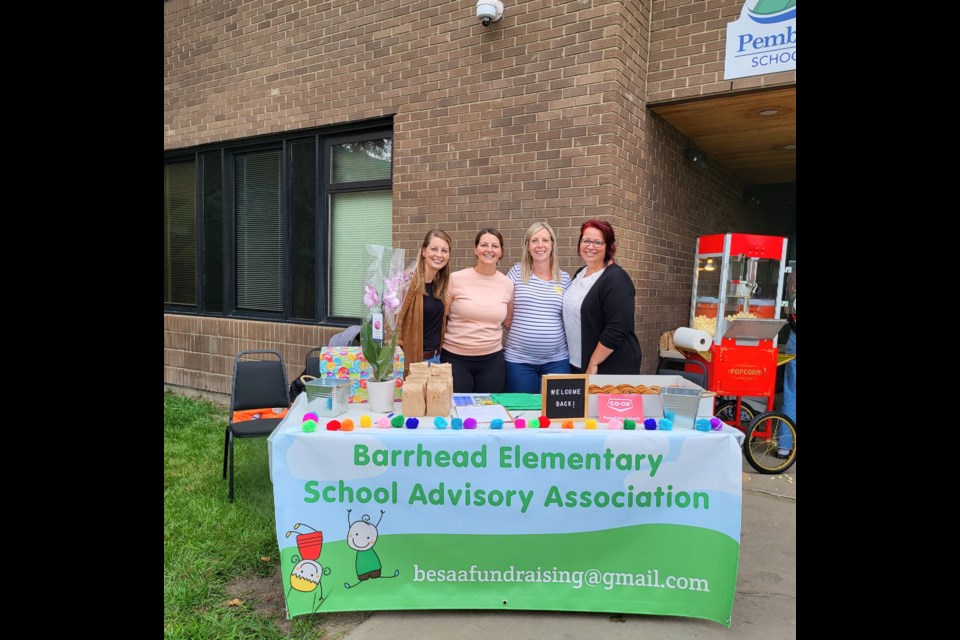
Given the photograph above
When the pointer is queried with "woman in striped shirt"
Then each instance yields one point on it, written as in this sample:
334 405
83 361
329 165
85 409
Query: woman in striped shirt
536 344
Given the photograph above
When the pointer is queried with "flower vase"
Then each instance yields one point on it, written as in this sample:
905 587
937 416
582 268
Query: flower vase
381 395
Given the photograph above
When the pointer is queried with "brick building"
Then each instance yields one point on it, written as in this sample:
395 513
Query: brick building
296 131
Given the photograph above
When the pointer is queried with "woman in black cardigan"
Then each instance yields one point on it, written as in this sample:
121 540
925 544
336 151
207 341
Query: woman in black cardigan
598 308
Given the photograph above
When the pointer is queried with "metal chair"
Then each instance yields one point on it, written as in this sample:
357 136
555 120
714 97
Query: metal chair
257 384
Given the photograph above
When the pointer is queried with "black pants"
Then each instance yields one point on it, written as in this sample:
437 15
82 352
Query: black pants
476 374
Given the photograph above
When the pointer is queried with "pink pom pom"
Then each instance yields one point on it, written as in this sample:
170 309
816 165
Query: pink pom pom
383 422
615 424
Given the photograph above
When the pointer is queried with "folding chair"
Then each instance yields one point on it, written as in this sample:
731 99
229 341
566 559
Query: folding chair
257 384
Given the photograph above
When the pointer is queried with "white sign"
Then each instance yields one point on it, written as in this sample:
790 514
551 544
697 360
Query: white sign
763 40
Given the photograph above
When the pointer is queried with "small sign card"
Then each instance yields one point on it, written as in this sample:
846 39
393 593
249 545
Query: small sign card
622 406
564 396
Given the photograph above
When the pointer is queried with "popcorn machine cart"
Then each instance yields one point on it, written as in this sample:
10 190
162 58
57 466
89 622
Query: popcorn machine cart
738 283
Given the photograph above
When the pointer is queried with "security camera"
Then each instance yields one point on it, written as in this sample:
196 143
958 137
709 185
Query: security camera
489 11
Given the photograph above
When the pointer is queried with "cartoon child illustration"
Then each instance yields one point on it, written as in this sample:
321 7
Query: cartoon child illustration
308 572
361 537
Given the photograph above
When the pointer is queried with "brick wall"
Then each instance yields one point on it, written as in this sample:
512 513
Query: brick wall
198 352
687 42
541 116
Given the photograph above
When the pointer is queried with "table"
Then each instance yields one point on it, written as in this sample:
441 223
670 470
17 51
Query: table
542 519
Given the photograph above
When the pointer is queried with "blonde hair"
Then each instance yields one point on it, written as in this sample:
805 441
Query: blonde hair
417 285
526 260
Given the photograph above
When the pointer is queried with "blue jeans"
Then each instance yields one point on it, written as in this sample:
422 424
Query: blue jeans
789 406
525 378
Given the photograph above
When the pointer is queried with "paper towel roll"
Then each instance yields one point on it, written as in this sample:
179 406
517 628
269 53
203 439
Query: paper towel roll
692 339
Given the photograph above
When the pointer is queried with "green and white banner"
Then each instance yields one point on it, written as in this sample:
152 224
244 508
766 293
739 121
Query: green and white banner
545 519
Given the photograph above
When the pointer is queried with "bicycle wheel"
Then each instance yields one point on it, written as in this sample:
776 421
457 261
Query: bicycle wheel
726 410
762 444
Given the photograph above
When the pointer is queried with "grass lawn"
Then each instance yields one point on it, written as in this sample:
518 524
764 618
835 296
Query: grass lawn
220 559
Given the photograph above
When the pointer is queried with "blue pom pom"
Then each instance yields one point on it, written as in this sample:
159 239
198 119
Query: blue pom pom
440 423
496 423
665 425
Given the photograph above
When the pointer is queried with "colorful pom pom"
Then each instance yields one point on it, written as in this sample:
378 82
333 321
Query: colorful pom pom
519 423
333 425
544 422
629 425
440 422
496 423
412 423
591 423
310 415
702 425
615 424
716 424
365 421
665 424
470 423
309 426
397 422
566 424
346 425
383 422
457 424
650 424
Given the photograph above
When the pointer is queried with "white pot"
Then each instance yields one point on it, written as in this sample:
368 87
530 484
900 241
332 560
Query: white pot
381 395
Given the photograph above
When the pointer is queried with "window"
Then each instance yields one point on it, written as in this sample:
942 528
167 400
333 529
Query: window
364 163
277 226
179 233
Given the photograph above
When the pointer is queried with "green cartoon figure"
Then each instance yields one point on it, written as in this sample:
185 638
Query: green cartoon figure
361 536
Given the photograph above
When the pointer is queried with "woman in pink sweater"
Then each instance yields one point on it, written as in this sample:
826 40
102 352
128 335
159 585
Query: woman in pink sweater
480 304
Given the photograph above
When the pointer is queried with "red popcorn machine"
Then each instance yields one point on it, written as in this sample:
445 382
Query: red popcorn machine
738 284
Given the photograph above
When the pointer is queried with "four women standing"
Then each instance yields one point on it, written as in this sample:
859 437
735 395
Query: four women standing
557 325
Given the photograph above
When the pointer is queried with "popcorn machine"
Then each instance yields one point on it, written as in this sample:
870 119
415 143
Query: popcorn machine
737 286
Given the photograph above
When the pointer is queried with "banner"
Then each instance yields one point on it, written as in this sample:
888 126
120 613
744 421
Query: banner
543 519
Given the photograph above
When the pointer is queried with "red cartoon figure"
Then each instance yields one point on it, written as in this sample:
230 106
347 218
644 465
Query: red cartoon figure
308 572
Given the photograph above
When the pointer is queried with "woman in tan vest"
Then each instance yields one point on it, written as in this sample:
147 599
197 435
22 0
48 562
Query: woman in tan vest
422 318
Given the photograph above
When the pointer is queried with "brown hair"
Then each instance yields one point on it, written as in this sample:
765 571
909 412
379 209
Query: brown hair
493 232
443 276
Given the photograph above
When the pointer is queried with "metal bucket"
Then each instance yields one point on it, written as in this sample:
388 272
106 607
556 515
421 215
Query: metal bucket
680 405
328 397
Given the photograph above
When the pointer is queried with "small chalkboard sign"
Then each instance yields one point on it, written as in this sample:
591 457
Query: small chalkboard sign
564 396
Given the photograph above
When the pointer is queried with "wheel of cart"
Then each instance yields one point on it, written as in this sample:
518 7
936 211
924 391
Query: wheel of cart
766 437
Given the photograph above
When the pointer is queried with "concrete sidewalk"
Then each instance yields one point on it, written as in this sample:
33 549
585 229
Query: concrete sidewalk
764 608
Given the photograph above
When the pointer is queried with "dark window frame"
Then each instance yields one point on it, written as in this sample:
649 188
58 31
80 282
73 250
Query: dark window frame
323 139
